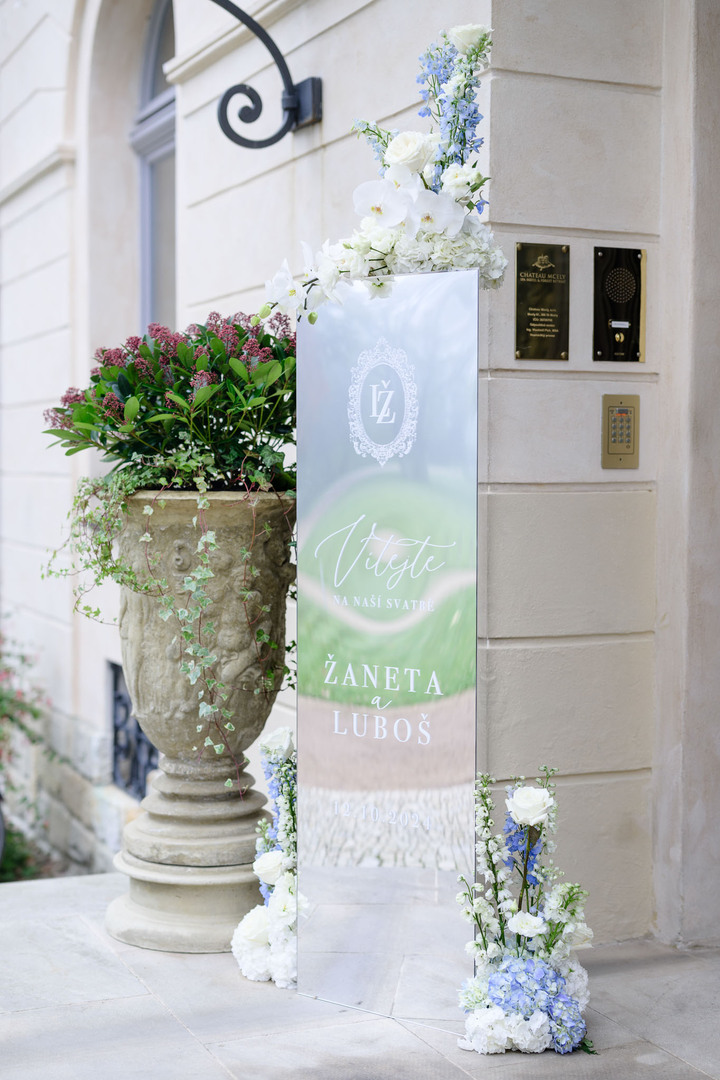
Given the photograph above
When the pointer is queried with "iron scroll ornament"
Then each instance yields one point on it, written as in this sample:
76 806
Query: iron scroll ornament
301 102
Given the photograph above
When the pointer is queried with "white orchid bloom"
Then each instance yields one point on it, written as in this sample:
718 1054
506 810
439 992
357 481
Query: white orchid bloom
381 200
435 213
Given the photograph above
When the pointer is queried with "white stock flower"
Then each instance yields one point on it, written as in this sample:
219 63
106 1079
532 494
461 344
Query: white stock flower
381 200
530 1036
411 149
456 180
530 805
526 925
580 936
282 905
486 1031
280 741
467 36
269 866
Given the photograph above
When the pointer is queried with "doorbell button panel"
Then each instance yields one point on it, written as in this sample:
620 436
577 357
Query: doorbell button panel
620 431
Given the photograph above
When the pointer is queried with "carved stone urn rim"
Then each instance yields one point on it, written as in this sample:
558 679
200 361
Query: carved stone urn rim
226 495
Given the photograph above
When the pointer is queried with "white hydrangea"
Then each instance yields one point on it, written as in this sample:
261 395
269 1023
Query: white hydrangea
486 1031
251 945
530 1036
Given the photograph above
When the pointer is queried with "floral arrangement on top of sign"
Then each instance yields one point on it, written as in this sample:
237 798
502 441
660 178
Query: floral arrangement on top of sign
265 942
529 991
424 214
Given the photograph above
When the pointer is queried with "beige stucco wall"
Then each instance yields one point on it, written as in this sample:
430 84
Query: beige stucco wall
599 589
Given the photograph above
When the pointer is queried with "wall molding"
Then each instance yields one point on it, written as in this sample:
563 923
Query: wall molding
63 155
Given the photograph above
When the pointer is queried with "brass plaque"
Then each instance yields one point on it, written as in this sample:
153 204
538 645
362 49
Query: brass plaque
621 431
619 305
542 301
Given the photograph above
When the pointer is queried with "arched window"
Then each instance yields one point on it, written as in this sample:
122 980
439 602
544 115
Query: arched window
153 139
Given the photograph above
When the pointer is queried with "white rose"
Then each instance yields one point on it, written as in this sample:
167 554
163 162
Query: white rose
530 805
254 927
410 148
280 742
465 37
526 924
269 866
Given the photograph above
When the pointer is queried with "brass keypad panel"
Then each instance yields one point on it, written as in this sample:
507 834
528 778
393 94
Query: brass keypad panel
620 435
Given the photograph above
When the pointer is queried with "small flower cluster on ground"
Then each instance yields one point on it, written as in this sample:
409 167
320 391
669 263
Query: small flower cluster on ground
529 991
221 395
265 942
423 214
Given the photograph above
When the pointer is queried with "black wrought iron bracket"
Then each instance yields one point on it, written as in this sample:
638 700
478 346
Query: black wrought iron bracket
301 102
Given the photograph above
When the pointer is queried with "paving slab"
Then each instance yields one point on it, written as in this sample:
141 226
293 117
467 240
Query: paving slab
77 1005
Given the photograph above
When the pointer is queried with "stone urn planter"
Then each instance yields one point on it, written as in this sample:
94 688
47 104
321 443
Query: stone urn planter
189 852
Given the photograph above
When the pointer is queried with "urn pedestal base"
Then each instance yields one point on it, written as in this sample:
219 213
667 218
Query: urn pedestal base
189 857
192 909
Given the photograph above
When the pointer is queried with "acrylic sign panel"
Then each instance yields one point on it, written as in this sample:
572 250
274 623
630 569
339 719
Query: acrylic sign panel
387 543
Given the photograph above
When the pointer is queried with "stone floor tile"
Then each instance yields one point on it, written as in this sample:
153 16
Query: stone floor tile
124 1039
213 1000
378 1049
85 894
58 961
430 995
667 996
620 1057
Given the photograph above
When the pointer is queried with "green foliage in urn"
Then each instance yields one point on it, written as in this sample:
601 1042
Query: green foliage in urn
222 392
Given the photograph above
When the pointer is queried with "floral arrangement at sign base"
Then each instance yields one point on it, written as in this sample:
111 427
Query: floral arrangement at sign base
265 942
529 991
425 212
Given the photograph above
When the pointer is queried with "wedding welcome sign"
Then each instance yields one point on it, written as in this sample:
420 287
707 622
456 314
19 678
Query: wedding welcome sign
387 542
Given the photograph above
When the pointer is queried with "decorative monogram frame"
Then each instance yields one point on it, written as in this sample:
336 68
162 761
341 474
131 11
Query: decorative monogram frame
382 403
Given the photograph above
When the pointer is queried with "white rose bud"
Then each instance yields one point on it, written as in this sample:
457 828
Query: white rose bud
279 741
530 805
269 866
467 36
527 925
